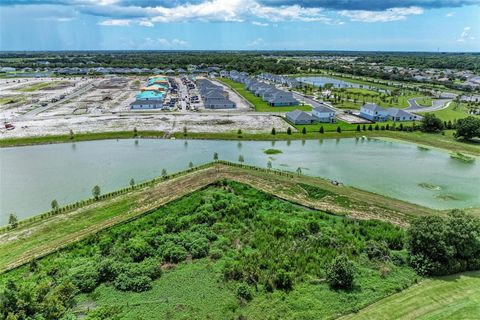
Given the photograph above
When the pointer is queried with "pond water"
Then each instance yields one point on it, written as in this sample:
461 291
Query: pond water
321 81
31 177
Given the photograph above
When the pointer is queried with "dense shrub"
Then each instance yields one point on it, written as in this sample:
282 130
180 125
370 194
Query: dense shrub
431 123
137 283
440 246
173 252
377 250
340 273
284 280
85 277
244 292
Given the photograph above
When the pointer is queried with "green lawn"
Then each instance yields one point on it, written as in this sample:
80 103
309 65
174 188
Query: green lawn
450 297
259 104
345 126
12 99
453 112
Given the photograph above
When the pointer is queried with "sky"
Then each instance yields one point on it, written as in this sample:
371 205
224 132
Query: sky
383 25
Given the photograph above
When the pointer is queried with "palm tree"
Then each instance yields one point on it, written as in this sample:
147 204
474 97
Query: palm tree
241 159
299 171
190 164
215 156
269 164
164 173
132 183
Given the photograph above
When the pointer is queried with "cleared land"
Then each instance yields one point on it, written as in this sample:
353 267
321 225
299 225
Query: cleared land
39 238
451 297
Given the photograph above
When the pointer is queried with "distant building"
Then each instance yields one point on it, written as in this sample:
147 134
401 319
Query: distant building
396 114
146 104
373 112
299 117
324 113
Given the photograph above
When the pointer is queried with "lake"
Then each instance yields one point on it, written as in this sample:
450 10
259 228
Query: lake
321 81
32 176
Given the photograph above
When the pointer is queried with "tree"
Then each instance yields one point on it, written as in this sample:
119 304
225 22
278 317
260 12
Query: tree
96 192
431 123
274 131
339 130
190 164
299 171
215 156
269 164
370 128
304 130
289 130
71 134
377 127
135 131
13 220
184 131
164 173
321 129
54 205
440 246
244 292
358 127
341 272
132 183
364 127
241 159
239 132
468 128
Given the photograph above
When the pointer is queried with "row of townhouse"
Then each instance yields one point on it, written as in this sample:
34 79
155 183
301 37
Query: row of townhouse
322 113
213 96
270 94
373 112
286 81
152 95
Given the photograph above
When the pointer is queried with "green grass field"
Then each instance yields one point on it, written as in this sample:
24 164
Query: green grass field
12 99
257 102
453 112
451 297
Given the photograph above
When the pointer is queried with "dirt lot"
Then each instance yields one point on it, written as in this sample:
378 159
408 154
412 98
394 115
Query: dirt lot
102 104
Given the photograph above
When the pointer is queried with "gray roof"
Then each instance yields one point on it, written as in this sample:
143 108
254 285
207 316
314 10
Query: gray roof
296 115
142 102
373 107
395 112
323 108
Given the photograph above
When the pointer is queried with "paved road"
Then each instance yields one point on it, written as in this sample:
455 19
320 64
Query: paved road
34 112
313 103
437 104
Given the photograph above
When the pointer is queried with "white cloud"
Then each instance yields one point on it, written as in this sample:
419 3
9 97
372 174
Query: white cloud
145 23
259 24
450 14
115 22
255 43
465 35
162 43
394 14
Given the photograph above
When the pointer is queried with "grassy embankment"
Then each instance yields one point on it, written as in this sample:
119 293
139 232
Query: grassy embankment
257 102
12 99
450 297
35 239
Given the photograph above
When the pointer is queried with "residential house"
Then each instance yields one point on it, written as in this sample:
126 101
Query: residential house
282 98
324 113
146 104
396 114
299 117
373 112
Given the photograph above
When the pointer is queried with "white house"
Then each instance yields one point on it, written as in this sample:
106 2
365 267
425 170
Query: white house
373 112
324 113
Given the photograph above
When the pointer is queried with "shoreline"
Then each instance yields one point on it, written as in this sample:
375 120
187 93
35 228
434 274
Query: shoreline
441 142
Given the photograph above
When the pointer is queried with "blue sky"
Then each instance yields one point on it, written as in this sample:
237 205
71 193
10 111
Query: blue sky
396 25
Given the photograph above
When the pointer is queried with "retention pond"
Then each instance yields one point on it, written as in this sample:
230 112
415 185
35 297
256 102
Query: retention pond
31 177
